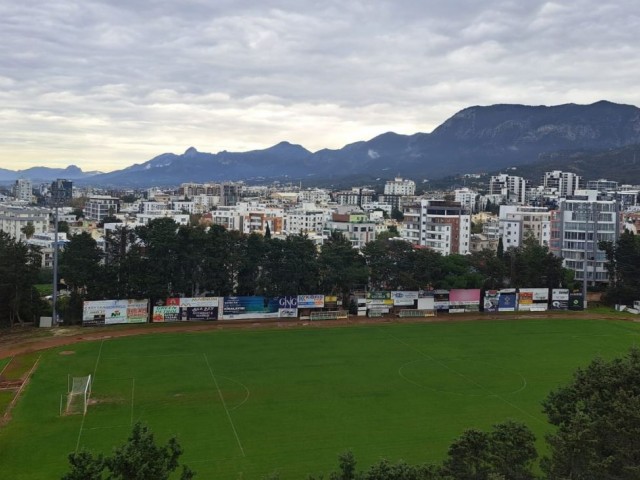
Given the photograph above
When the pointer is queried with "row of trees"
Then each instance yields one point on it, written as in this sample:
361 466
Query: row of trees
163 259
596 436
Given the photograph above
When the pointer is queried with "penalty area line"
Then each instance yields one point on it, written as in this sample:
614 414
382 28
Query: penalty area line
224 404
93 379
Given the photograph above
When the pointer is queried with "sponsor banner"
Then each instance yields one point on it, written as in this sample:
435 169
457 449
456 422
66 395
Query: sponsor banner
425 293
111 312
173 301
508 300
560 299
441 300
310 301
576 301
250 307
533 299
467 300
137 311
426 303
200 314
330 301
169 313
288 302
288 313
456 310
379 295
491 300
198 302
404 298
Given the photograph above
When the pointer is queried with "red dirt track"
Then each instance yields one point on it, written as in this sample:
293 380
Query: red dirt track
20 340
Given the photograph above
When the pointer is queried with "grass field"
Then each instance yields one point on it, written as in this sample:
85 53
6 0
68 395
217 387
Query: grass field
248 403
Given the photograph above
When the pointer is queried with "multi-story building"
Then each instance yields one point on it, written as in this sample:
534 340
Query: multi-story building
467 198
14 218
438 224
602 185
314 195
581 222
304 221
511 188
517 221
61 192
356 196
23 190
100 206
400 186
46 241
356 227
563 183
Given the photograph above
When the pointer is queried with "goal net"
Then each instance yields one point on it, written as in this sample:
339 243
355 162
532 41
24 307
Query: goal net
79 391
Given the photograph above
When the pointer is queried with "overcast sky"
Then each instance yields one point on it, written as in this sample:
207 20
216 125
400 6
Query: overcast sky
107 84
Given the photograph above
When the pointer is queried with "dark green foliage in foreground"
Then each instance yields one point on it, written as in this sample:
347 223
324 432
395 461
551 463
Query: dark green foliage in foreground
624 268
138 459
598 420
506 452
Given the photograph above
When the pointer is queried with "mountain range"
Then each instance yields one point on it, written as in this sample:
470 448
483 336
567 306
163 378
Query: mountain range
476 139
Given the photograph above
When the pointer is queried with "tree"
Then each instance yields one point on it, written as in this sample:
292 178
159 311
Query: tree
19 269
341 267
507 451
140 458
624 268
597 416
397 215
28 230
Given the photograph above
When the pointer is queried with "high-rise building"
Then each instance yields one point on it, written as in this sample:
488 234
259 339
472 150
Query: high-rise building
400 186
61 191
438 224
518 221
564 183
511 188
581 222
23 190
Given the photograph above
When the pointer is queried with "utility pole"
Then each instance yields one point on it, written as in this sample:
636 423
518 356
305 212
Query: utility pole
54 297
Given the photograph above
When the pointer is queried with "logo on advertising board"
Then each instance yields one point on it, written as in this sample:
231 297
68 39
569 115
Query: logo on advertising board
310 301
288 302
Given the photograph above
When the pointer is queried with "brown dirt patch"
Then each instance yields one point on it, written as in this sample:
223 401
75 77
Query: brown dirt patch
32 340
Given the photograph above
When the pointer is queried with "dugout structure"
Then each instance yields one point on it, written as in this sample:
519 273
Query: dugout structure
77 397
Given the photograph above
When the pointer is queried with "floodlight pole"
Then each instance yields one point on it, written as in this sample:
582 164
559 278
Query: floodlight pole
54 296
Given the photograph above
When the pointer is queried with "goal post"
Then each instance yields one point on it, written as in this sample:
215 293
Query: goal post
78 393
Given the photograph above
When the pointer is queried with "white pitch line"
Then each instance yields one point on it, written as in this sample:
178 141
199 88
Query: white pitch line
5 367
93 379
224 404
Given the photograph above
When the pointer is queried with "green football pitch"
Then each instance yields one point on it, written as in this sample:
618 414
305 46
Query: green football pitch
247 403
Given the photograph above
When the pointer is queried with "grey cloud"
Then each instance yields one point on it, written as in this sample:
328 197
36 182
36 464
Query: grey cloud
120 81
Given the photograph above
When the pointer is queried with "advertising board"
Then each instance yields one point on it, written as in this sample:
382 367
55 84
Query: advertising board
491 300
508 300
403 298
464 300
250 307
310 301
560 299
111 312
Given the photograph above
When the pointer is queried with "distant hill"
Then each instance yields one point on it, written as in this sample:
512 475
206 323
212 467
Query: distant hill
45 174
621 165
476 139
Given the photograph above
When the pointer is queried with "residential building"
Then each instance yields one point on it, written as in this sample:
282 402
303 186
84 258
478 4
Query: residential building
400 186
441 225
356 227
564 183
356 196
46 241
511 188
467 198
304 221
602 185
61 192
23 190
581 222
13 219
517 221
100 206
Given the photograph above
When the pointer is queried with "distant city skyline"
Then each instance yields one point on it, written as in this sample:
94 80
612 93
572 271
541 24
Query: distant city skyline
104 85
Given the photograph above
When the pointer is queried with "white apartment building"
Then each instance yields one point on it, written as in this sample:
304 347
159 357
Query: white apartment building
46 242
188 207
14 218
467 198
517 221
100 206
580 223
145 218
511 188
438 224
153 207
400 186
23 190
355 227
563 183
314 195
304 221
